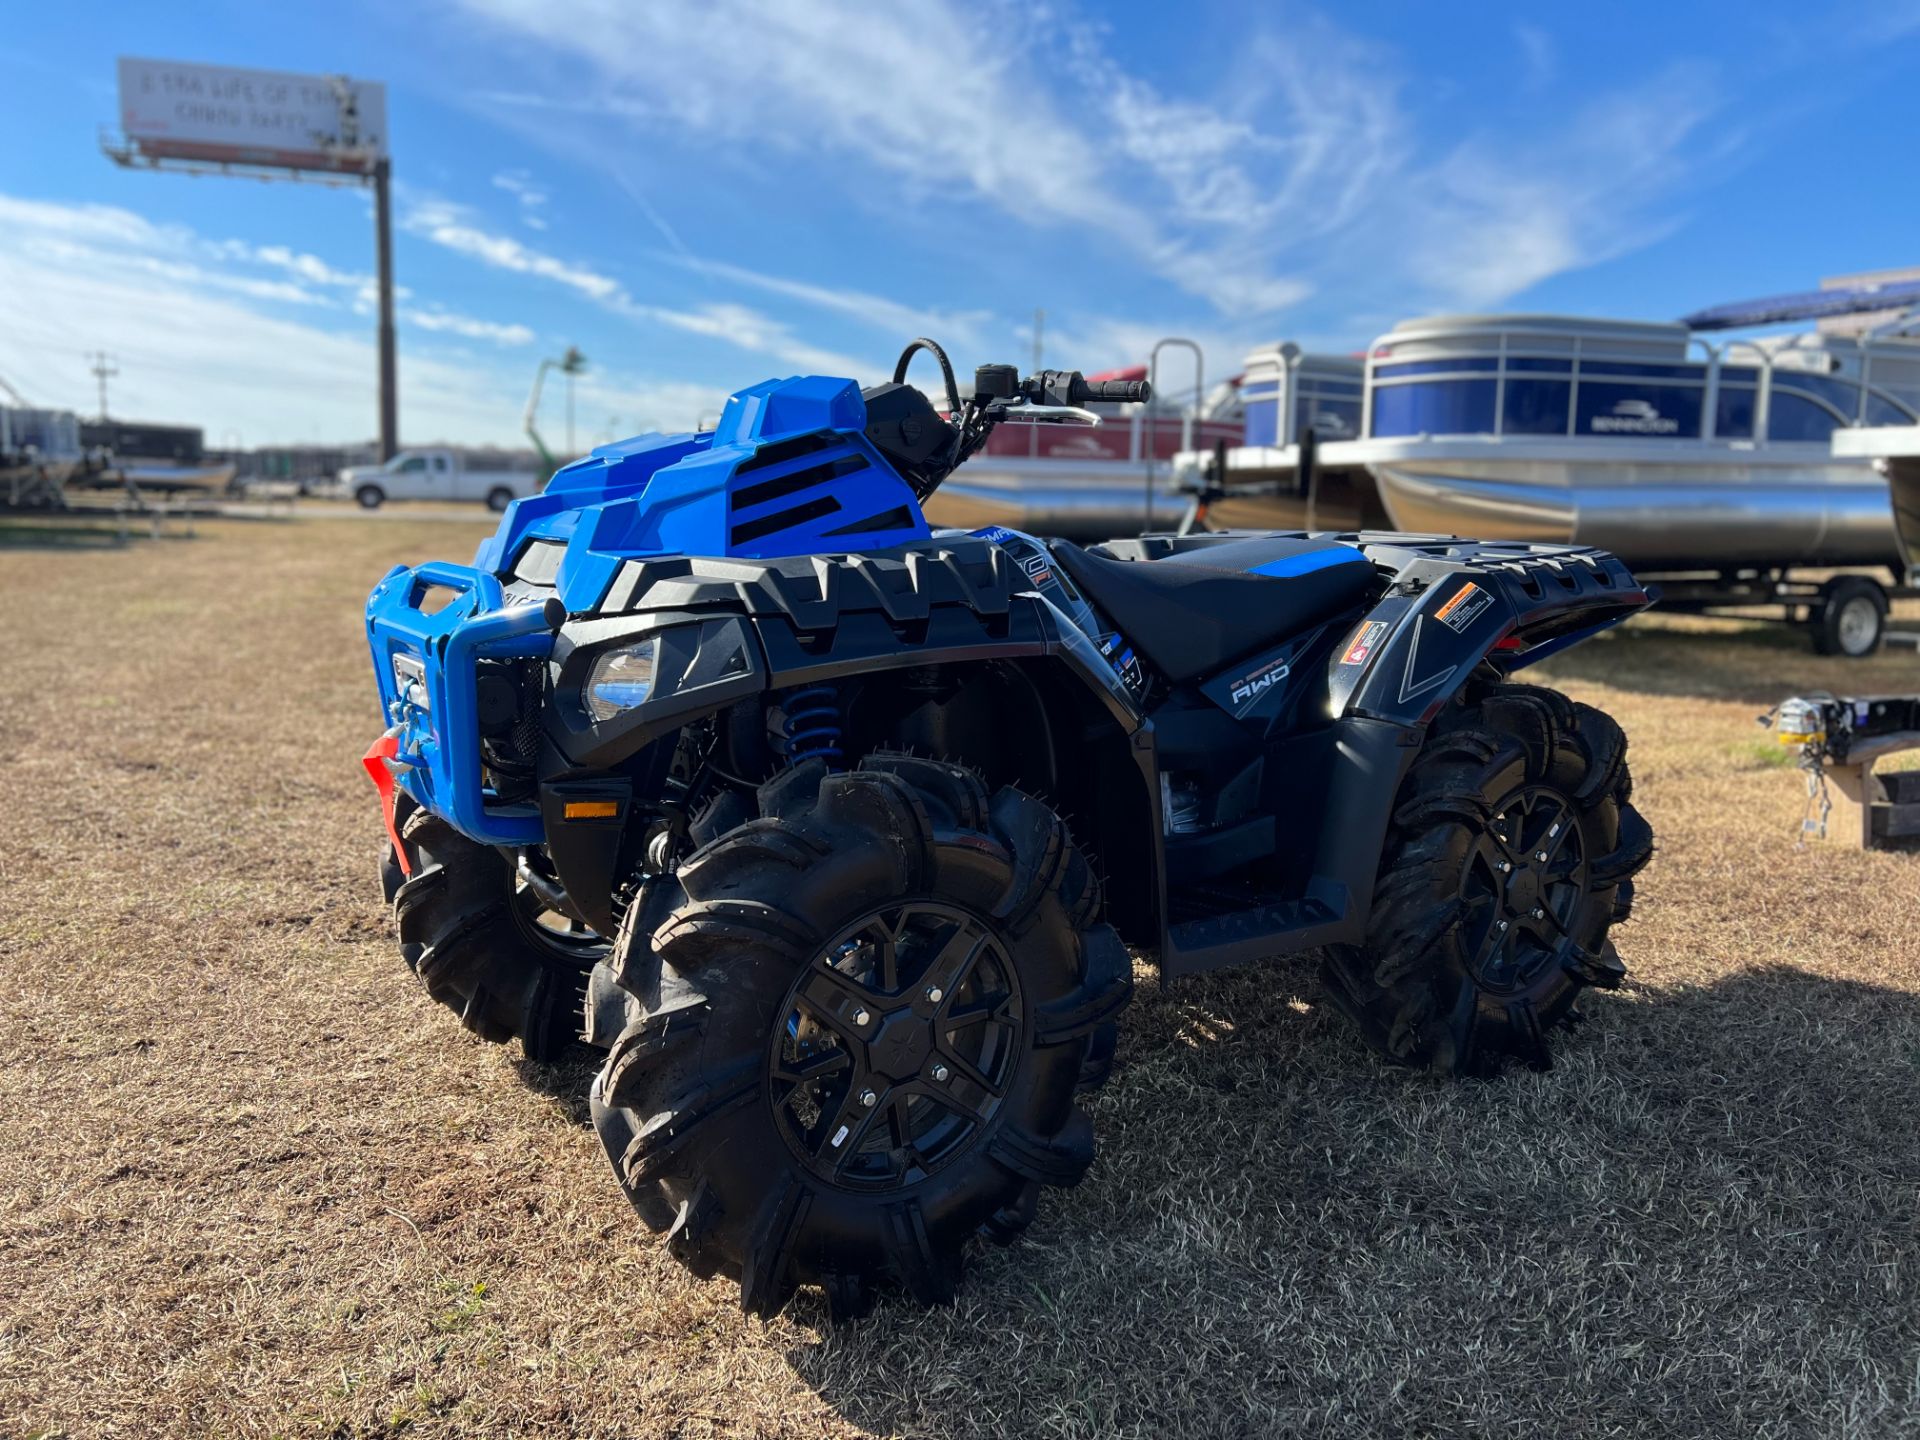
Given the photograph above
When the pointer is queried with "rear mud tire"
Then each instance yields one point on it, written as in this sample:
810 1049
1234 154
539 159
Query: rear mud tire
1466 965
774 935
464 933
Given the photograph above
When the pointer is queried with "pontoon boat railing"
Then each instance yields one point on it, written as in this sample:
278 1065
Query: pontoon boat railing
1586 361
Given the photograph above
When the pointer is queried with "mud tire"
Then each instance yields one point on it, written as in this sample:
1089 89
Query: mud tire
715 961
1435 986
463 934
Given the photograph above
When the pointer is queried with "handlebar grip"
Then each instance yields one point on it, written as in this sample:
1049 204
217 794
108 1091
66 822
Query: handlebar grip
1117 390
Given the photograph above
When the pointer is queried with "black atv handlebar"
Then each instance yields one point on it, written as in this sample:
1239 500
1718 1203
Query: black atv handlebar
1114 390
997 390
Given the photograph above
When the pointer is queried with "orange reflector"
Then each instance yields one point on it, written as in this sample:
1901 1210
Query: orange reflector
592 809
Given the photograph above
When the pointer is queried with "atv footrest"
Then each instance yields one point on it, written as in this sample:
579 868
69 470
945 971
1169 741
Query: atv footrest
1260 933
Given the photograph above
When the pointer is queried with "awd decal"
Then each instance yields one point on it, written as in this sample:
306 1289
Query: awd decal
1468 604
1360 649
1252 686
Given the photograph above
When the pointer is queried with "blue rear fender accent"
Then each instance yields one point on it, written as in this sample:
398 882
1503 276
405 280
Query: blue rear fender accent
1311 560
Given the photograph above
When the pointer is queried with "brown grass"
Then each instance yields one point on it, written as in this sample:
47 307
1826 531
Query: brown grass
254 1183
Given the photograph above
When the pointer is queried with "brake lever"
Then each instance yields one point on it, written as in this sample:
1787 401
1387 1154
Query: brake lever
1022 412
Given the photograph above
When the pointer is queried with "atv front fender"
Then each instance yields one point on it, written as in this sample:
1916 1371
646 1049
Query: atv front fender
707 662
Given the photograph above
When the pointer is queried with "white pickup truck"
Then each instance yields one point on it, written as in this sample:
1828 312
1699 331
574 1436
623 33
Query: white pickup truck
435 475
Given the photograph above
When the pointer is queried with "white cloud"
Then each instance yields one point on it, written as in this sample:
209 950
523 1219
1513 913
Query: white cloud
1538 60
199 345
751 330
920 89
466 325
310 268
455 228
1296 170
1499 216
520 185
888 316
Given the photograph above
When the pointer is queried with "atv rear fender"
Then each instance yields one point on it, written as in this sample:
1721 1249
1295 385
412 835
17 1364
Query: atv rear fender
1456 604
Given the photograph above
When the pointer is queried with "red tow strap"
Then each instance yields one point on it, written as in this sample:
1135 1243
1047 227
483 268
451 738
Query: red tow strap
381 773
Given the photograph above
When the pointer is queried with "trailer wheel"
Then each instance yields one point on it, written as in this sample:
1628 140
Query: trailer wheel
499 498
854 1031
371 497
1849 617
1511 855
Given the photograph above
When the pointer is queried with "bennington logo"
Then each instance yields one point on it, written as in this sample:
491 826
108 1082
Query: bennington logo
1635 417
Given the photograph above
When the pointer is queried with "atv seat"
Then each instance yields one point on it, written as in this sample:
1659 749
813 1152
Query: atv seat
1196 611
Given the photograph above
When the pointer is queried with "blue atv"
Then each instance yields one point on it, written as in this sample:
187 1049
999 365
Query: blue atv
839 835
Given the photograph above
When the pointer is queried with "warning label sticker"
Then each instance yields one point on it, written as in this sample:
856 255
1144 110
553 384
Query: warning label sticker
1467 605
1360 648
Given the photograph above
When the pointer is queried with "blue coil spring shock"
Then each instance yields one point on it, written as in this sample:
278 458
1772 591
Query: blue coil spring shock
812 722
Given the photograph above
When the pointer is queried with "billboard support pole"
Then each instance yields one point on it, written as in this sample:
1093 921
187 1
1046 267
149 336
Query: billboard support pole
383 245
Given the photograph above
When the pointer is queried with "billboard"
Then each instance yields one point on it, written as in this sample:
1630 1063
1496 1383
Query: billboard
173 110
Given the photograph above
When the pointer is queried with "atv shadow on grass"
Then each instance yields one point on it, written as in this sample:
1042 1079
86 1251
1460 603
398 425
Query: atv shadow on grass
565 1081
1701 1221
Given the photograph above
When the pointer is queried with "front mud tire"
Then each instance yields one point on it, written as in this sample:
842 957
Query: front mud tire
855 1028
464 934
1511 856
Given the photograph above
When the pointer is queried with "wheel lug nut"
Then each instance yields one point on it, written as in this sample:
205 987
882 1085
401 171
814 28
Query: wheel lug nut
861 1017
1541 856
869 1099
1538 913
1500 925
940 1072
1506 867
934 993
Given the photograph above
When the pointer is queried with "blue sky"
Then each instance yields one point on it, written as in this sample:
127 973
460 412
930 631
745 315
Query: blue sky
700 196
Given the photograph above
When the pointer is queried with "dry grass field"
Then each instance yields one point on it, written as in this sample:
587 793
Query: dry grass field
253 1183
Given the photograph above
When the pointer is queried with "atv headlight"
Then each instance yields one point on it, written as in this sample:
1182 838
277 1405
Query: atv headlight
620 680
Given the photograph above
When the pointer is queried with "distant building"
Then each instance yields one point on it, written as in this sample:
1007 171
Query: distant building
1871 319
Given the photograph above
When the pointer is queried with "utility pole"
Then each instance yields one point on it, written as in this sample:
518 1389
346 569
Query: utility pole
383 248
103 371
571 452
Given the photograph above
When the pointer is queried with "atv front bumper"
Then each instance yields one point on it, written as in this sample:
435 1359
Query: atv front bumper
426 665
